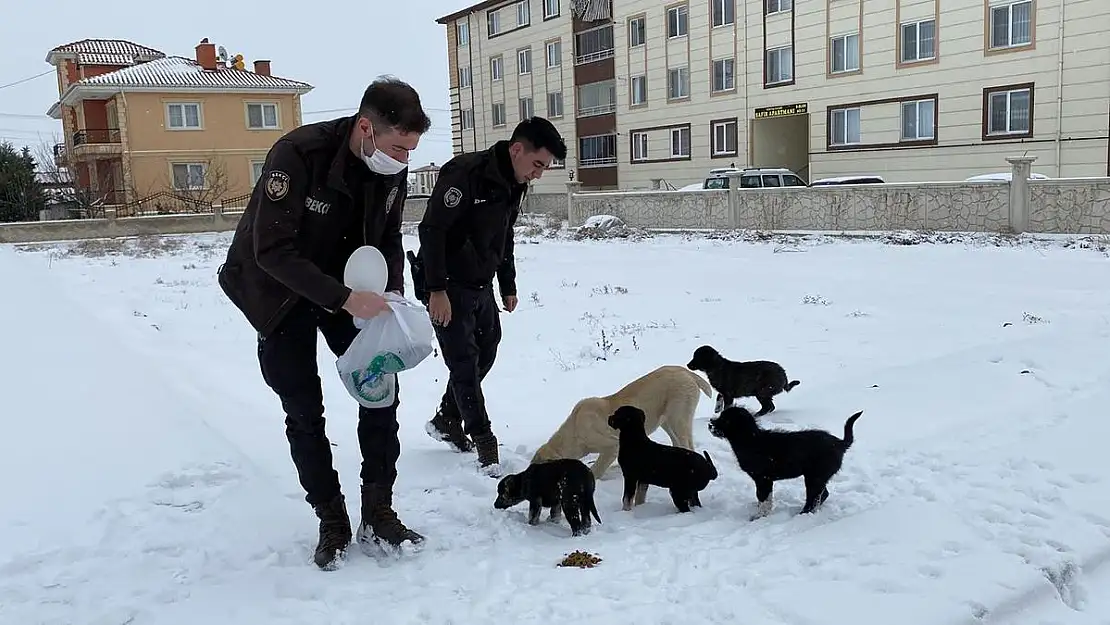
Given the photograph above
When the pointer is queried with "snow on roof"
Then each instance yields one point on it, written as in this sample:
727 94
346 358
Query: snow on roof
88 58
175 72
117 48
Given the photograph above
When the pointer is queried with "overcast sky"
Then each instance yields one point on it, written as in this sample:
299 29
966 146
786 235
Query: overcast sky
352 44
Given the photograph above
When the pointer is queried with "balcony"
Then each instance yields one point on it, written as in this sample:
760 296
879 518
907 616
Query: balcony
97 141
598 98
596 44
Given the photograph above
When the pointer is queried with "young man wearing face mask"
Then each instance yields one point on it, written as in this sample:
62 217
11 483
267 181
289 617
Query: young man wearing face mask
326 189
466 239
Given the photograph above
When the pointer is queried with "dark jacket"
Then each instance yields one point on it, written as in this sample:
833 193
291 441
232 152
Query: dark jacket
466 235
314 204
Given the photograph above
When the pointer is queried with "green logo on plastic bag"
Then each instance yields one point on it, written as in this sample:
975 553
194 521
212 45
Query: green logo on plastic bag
370 383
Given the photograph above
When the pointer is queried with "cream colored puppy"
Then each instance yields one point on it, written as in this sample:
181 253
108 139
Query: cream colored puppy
668 396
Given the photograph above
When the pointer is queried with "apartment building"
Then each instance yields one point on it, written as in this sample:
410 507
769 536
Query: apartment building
139 123
662 91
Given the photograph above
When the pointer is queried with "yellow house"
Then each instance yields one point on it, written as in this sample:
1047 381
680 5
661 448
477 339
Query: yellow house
140 124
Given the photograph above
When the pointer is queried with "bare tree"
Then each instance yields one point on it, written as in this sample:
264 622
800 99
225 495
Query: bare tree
183 191
58 173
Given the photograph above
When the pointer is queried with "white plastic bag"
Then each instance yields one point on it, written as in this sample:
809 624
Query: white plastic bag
392 342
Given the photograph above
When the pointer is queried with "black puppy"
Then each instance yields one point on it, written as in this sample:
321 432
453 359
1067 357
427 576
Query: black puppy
771 455
645 462
761 379
564 485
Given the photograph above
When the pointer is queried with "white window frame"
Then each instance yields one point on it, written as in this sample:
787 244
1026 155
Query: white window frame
524 61
680 16
184 118
843 117
526 107
1009 7
262 107
523 13
601 89
555 97
550 9
637 36
727 75
462 33
772 7
914 107
493 23
632 92
1008 94
723 13
553 51
494 108
466 119
787 69
846 43
189 176
258 166
725 131
466 77
639 147
682 74
680 134
497 68
918 56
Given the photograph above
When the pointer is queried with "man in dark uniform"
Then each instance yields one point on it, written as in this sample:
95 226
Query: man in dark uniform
326 189
466 238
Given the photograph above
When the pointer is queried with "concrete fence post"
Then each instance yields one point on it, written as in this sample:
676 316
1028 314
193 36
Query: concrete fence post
217 211
110 213
734 198
1020 168
573 187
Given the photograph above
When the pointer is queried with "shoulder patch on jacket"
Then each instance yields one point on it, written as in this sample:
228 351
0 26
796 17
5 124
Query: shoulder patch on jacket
452 197
389 200
277 185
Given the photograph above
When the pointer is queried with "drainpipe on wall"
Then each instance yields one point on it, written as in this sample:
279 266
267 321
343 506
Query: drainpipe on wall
1059 89
747 122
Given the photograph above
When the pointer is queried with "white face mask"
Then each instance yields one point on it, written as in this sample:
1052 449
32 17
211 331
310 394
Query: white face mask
379 162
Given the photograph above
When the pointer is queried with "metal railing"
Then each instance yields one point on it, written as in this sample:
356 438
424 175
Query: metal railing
96 135
600 109
593 57
604 161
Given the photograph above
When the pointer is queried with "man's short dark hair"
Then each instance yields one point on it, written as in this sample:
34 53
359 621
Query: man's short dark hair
538 133
392 103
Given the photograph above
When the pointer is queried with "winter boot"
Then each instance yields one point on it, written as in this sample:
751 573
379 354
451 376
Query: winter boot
335 534
488 461
380 526
449 430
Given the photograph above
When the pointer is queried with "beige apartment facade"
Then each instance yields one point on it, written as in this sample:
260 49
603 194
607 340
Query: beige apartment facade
911 90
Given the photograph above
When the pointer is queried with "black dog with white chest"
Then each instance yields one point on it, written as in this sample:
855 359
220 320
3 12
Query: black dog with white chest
761 379
768 456
645 462
564 485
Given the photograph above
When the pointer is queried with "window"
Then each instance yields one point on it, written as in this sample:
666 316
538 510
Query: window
597 151
637 32
678 21
724 12
919 120
724 138
523 15
680 142
262 116
466 119
779 67
844 128
778 6
524 61
554 54
844 54
638 86
498 114
183 116
593 45
919 41
496 68
597 98
1009 111
724 75
526 108
678 83
555 104
188 176
639 146
1012 24
550 9
464 76
256 171
462 33
557 163
493 22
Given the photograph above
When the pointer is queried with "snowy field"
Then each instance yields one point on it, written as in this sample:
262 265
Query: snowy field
146 475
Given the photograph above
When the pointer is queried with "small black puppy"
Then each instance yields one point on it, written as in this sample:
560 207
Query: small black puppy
564 485
771 455
761 379
645 462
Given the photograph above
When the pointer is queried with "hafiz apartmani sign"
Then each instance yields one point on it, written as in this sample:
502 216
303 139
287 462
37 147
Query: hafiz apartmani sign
782 111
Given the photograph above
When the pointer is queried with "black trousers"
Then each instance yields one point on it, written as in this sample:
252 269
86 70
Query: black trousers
288 361
469 346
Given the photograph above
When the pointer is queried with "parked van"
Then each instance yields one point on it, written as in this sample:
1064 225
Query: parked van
754 178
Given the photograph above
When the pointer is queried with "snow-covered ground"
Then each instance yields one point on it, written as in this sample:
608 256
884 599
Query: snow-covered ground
146 477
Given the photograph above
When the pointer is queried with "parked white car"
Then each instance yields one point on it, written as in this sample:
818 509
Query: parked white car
1002 176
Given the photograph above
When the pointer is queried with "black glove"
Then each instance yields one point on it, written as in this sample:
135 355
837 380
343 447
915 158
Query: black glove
416 268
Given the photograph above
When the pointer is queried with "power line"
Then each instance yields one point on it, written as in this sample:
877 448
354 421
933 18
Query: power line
28 79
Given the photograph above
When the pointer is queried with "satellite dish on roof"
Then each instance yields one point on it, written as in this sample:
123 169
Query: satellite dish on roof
222 54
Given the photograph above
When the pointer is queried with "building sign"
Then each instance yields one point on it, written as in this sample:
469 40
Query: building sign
781 111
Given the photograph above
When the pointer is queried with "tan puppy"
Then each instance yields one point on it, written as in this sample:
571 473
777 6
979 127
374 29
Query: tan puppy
668 396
